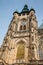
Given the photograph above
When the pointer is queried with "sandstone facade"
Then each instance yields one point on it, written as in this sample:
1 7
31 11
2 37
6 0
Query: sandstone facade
23 41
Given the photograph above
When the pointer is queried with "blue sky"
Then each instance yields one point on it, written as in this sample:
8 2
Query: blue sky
7 7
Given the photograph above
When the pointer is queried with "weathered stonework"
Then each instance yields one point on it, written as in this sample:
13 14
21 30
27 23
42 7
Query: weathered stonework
23 39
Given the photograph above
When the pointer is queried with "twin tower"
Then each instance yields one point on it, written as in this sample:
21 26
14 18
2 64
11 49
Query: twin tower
20 44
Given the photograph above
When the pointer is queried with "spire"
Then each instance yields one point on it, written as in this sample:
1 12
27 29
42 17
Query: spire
25 9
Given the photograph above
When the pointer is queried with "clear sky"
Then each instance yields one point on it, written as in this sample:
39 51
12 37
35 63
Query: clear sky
7 7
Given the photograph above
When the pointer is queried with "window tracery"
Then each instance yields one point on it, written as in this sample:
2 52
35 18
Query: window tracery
23 26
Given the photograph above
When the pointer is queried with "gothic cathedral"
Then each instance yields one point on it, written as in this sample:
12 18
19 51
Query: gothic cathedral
23 44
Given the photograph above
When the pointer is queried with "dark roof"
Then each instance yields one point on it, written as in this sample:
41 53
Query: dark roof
32 10
25 9
41 26
15 12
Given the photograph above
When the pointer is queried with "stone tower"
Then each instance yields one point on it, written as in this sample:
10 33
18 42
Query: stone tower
20 44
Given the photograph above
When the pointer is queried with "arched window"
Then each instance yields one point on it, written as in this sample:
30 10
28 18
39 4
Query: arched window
23 25
20 51
24 28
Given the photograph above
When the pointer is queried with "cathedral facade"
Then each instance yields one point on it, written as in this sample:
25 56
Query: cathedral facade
23 43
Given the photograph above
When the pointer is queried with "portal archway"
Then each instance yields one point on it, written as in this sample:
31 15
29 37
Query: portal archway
20 50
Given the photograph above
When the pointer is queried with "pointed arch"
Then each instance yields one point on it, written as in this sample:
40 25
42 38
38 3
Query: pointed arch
20 50
19 40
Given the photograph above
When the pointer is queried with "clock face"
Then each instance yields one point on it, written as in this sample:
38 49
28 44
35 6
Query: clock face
23 23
